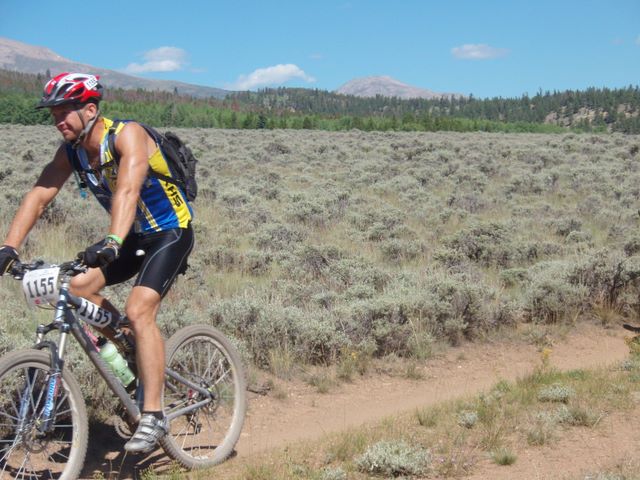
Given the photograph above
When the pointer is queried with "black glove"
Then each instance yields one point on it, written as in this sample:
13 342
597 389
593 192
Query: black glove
8 255
101 254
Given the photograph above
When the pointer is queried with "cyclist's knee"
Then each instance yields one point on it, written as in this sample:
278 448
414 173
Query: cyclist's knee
142 307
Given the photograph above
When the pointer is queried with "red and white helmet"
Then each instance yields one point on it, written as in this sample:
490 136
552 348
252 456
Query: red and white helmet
78 88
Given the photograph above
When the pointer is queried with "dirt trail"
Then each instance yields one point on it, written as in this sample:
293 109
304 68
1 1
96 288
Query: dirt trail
578 453
461 371
305 414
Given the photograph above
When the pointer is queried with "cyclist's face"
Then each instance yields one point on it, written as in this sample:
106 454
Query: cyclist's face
67 120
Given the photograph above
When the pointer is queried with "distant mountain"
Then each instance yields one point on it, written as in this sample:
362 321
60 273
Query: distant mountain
20 57
388 87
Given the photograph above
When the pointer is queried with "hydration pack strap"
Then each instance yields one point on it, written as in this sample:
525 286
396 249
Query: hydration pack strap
111 144
81 180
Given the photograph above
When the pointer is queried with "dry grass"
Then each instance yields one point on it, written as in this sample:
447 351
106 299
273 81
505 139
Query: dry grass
313 246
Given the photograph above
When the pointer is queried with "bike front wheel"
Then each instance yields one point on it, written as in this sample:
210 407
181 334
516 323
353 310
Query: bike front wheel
206 436
27 450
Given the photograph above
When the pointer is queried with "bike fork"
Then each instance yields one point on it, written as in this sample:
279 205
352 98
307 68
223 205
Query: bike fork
49 412
52 392
25 403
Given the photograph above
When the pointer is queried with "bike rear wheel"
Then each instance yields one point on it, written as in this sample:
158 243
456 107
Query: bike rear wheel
208 435
25 451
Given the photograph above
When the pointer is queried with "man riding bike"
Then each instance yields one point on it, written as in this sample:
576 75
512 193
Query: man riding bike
146 215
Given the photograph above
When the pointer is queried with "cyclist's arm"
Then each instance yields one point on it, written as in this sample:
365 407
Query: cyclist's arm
36 200
133 147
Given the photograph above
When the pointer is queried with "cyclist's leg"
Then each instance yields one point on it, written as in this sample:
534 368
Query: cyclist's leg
166 256
141 310
89 285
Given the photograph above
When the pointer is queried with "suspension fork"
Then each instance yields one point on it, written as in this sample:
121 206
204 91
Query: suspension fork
46 422
54 383
57 362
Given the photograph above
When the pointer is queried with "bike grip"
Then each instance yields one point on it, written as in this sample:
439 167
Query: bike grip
16 269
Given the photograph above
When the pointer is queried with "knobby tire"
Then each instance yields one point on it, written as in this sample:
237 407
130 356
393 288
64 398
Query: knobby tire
208 436
25 452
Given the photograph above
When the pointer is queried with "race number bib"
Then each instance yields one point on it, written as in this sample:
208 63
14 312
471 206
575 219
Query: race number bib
93 314
41 286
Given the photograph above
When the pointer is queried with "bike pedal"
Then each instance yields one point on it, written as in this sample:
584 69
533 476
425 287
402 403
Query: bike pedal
122 427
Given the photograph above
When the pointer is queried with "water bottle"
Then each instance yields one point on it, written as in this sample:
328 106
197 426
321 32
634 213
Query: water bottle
116 361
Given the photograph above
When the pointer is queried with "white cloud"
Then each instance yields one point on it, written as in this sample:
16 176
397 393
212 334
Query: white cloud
478 51
163 59
275 75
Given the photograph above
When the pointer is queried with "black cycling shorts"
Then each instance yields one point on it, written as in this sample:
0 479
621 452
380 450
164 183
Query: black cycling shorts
156 257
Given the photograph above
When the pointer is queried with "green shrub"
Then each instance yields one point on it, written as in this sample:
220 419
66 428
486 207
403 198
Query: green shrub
489 244
579 237
556 393
550 296
607 275
394 458
542 429
467 419
450 258
235 198
457 306
310 337
577 416
307 211
310 261
256 262
276 237
525 184
381 320
397 251
277 148
564 225
336 473
632 246
347 272
378 222
222 257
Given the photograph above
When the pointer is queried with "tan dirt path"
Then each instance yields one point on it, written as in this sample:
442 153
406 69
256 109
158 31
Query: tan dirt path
305 414
465 370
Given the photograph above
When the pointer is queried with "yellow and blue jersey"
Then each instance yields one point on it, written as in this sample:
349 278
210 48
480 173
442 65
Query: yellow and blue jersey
162 205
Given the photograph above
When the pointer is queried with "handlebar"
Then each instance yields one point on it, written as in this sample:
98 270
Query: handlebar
70 268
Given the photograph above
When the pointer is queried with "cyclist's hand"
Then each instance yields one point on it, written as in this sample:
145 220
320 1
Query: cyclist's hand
101 254
8 255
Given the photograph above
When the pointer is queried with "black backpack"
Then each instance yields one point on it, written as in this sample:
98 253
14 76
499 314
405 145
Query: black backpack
181 160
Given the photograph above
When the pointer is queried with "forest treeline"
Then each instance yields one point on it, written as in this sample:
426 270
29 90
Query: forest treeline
594 109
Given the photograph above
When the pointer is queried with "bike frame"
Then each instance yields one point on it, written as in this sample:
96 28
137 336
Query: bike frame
66 321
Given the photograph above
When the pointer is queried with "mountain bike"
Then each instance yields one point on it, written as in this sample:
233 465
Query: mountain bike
43 417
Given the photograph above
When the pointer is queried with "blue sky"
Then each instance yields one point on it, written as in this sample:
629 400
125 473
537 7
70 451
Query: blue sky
485 48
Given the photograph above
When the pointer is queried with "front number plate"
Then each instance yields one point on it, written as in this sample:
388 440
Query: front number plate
41 286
